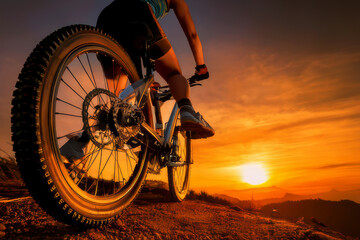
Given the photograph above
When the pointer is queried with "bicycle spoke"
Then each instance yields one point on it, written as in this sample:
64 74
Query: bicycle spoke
86 72
106 163
92 74
74 132
105 81
66 114
58 99
118 80
128 158
76 80
75 91
93 82
128 155
114 172
132 153
84 158
92 161
97 179
82 169
123 179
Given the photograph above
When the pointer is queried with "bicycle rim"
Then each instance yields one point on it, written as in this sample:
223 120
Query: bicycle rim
179 177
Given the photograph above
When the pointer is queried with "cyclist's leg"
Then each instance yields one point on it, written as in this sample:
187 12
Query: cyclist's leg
169 69
115 78
116 20
166 62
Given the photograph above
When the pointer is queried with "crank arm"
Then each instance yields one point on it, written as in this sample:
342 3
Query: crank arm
155 140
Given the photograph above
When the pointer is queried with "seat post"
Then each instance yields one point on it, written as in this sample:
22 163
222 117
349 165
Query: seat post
149 63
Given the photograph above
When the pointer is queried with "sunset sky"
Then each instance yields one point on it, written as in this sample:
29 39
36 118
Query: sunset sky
284 88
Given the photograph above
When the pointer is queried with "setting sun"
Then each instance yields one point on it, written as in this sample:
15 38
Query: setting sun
254 173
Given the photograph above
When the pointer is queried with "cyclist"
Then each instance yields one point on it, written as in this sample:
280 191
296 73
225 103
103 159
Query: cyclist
131 22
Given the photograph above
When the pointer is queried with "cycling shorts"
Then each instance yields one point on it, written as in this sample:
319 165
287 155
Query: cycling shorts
131 23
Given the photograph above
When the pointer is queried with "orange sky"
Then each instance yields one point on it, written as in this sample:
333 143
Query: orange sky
299 117
284 88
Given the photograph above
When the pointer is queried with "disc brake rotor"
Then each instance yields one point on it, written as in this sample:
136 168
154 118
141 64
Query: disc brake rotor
111 120
95 116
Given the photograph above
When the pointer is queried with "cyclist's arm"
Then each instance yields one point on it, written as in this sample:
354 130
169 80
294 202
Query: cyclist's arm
182 13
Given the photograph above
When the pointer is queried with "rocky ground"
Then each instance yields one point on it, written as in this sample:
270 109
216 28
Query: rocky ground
153 216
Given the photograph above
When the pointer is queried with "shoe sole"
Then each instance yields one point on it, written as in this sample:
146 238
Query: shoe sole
197 130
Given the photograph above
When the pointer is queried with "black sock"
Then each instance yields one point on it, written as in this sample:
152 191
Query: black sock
184 102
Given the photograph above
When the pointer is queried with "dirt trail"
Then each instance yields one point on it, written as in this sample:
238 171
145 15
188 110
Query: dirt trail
152 216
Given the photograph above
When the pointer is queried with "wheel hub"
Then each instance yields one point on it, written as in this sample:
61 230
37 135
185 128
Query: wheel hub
127 119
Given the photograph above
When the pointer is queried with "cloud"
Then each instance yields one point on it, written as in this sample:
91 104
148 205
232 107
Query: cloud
340 165
314 120
295 113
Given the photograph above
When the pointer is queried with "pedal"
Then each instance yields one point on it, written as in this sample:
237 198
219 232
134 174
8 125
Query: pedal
176 164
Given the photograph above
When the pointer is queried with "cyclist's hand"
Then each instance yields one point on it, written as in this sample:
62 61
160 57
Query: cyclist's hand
201 73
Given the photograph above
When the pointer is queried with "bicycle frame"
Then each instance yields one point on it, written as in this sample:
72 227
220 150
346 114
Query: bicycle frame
157 142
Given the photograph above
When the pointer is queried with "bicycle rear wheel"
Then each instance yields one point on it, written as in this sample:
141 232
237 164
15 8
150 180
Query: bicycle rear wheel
179 176
82 162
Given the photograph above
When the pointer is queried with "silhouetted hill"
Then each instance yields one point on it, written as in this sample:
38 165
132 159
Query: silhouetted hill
335 195
342 216
228 198
285 198
280 195
255 193
243 204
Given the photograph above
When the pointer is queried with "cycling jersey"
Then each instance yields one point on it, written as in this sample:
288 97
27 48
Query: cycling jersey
159 7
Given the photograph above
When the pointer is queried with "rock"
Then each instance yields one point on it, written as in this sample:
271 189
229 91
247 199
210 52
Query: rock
120 223
235 208
317 222
2 227
157 236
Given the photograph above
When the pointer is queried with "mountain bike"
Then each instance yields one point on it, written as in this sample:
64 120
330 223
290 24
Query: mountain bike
65 96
